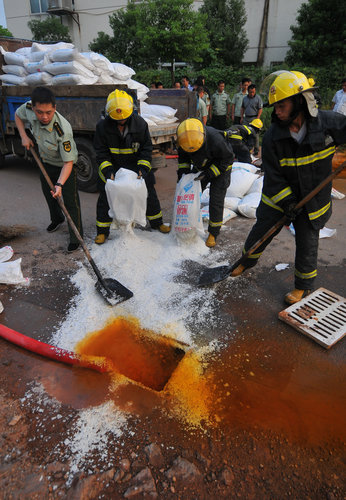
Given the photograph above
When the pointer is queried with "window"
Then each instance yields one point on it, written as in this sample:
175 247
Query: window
38 6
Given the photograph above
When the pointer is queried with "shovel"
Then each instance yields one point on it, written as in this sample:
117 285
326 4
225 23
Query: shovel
110 289
220 273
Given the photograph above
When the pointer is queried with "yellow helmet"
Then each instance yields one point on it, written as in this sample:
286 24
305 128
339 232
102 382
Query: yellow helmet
257 123
190 135
287 84
119 105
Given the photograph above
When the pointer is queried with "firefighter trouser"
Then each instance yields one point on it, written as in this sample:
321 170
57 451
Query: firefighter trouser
306 243
70 197
241 152
153 213
217 193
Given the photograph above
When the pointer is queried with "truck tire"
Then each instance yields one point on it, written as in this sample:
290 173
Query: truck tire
87 170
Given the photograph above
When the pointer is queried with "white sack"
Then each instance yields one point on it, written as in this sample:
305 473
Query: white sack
127 198
42 78
132 84
6 253
187 220
45 47
12 80
14 69
23 51
248 205
65 55
163 112
100 62
74 67
37 56
228 214
257 186
232 202
241 181
249 167
34 67
11 273
122 72
14 58
150 122
205 196
73 79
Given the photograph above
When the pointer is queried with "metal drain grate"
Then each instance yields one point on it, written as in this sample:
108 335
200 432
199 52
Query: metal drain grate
321 316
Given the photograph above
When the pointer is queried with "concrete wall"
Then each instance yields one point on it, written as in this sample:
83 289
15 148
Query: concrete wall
94 17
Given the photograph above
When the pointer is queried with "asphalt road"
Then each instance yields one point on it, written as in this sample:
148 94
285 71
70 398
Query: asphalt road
285 434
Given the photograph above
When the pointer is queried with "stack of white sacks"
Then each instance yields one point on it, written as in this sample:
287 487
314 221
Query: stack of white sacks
62 64
243 194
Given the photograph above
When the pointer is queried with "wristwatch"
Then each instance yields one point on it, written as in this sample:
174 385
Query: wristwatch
58 184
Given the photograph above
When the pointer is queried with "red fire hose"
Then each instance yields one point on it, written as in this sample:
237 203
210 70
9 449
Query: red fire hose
50 351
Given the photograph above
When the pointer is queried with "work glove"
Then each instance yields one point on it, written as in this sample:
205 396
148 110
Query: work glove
143 172
203 176
289 208
108 173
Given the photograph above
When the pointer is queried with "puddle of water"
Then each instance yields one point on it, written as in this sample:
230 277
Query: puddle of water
139 354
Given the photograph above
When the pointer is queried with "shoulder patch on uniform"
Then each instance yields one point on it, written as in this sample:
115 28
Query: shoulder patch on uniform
67 146
58 129
28 105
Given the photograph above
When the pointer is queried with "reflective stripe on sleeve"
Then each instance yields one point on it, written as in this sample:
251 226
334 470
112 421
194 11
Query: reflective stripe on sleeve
318 213
268 201
145 163
103 165
305 160
281 195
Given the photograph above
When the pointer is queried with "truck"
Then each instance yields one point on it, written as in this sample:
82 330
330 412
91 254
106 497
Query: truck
82 106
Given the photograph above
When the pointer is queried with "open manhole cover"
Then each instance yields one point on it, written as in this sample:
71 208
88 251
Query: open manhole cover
321 316
139 354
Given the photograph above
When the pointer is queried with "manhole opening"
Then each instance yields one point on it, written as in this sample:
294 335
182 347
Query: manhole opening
139 354
321 316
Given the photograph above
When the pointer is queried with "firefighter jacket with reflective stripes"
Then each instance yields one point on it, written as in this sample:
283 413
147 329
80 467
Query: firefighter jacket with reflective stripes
241 134
292 170
215 156
131 150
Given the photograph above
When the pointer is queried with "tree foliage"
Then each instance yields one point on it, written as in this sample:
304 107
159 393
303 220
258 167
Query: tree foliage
225 24
319 35
49 30
4 31
154 30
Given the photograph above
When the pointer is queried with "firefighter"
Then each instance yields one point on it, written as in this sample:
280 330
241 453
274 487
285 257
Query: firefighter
122 139
243 139
297 153
206 150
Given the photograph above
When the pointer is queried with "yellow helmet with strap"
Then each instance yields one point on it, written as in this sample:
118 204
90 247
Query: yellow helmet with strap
257 123
190 135
287 84
119 105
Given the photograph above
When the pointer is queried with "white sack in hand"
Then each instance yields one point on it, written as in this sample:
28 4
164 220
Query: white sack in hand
11 273
127 198
187 219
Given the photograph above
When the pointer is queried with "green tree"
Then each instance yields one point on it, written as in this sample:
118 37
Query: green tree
153 30
225 24
49 30
4 31
319 35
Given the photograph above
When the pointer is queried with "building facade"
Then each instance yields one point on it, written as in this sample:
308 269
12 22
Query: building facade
85 18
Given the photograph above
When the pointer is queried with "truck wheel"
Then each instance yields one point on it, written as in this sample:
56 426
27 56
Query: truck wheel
87 171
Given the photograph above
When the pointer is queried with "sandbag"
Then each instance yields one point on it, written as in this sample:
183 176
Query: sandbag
187 220
256 186
47 47
231 202
101 63
42 78
122 72
11 273
34 67
127 198
66 55
248 205
228 214
8 79
6 253
74 67
241 180
73 79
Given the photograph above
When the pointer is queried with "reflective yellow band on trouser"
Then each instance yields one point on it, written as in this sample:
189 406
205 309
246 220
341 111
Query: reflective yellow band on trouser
153 217
248 130
305 276
145 163
103 165
119 151
215 170
318 213
305 160
103 224
253 255
268 201
215 224
281 195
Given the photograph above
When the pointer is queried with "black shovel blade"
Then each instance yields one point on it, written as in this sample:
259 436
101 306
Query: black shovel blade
113 291
214 275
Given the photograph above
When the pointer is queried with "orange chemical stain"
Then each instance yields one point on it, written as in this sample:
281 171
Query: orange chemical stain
138 354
